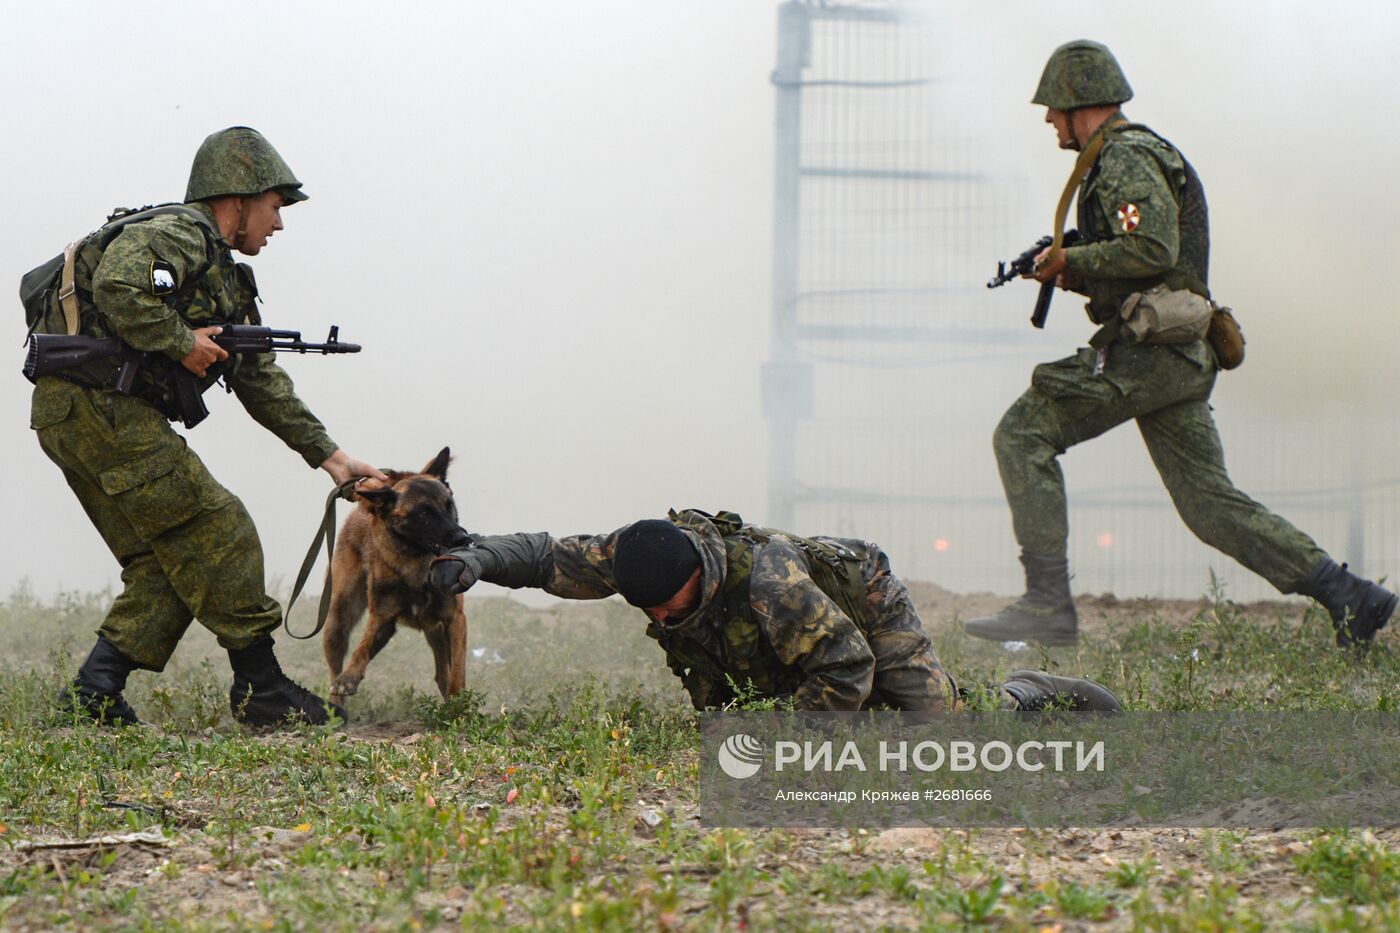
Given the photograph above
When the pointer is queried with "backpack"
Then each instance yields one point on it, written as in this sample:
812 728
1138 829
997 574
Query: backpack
48 292
834 568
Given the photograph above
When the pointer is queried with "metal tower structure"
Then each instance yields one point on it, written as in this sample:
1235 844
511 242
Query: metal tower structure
878 218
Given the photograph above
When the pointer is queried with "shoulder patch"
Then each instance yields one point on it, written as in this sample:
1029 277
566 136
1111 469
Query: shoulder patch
162 277
1129 217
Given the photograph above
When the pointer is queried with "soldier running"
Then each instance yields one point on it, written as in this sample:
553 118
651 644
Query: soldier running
1143 235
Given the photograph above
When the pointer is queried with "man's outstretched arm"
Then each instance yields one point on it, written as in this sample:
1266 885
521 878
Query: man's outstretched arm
577 567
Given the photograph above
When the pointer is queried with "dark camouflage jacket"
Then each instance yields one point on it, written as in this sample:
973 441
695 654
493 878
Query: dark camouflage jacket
157 281
763 619
1142 213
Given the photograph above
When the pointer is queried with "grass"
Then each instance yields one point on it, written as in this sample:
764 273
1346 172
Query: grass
1356 870
560 792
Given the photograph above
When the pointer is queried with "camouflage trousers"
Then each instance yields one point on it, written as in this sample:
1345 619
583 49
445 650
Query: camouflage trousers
1165 389
908 674
186 545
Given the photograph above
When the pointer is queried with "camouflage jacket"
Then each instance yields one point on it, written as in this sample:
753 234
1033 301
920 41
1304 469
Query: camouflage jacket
157 281
1142 213
763 619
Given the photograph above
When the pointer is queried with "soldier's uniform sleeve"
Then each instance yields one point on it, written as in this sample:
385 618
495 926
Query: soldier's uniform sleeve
581 566
130 282
267 393
1135 195
807 630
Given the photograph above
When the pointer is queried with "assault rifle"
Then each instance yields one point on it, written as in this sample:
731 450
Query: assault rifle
53 353
1024 264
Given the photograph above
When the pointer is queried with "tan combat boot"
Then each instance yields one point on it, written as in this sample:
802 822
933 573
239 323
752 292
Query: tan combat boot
1045 614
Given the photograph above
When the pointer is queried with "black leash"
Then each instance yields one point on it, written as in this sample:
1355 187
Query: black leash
326 534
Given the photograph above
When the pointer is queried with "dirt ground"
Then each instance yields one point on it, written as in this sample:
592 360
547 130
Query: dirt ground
201 869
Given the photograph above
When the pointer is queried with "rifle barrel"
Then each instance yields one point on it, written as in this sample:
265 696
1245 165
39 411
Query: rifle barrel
256 331
323 348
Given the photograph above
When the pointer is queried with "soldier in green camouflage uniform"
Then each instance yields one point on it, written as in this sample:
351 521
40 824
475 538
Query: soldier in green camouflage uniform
821 621
186 545
1143 223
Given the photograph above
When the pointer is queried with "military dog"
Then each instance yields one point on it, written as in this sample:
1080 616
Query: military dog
381 564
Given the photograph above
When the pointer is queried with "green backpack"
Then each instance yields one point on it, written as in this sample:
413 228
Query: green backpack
54 301
834 568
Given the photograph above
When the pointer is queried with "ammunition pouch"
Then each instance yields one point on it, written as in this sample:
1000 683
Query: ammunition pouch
1166 315
1225 338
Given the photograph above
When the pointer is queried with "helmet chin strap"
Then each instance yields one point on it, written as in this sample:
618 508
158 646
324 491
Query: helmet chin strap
245 208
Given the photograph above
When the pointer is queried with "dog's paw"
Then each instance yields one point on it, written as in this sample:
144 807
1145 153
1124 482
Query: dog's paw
344 686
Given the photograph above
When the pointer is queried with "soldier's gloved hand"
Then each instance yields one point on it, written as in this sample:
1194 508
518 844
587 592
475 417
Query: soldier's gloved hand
456 571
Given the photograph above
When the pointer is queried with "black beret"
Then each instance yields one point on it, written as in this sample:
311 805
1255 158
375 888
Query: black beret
652 561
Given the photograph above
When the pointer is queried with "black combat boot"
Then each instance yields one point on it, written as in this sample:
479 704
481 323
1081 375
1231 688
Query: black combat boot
1359 608
264 696
1045 614
97 690
1037 690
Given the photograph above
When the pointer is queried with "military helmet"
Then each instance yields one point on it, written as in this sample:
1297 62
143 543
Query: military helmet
1082 73
240 161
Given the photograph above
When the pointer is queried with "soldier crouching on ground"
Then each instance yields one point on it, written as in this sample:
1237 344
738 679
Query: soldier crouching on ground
821 620
187 546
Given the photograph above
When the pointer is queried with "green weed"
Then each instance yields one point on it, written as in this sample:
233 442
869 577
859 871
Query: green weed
519 804
1355 869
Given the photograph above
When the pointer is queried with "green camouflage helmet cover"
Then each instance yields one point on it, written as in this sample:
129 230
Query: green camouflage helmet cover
1082 73
240 161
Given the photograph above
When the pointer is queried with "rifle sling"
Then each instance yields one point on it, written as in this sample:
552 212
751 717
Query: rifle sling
68 289
326 533
1082 165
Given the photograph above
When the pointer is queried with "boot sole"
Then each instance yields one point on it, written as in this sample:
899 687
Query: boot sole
1053 639
288 720
1345 637
101 713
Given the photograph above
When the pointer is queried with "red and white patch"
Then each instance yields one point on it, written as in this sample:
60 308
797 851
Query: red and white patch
1129 217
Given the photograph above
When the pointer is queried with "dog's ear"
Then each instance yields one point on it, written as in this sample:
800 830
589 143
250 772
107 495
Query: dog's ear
437 467
380 498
